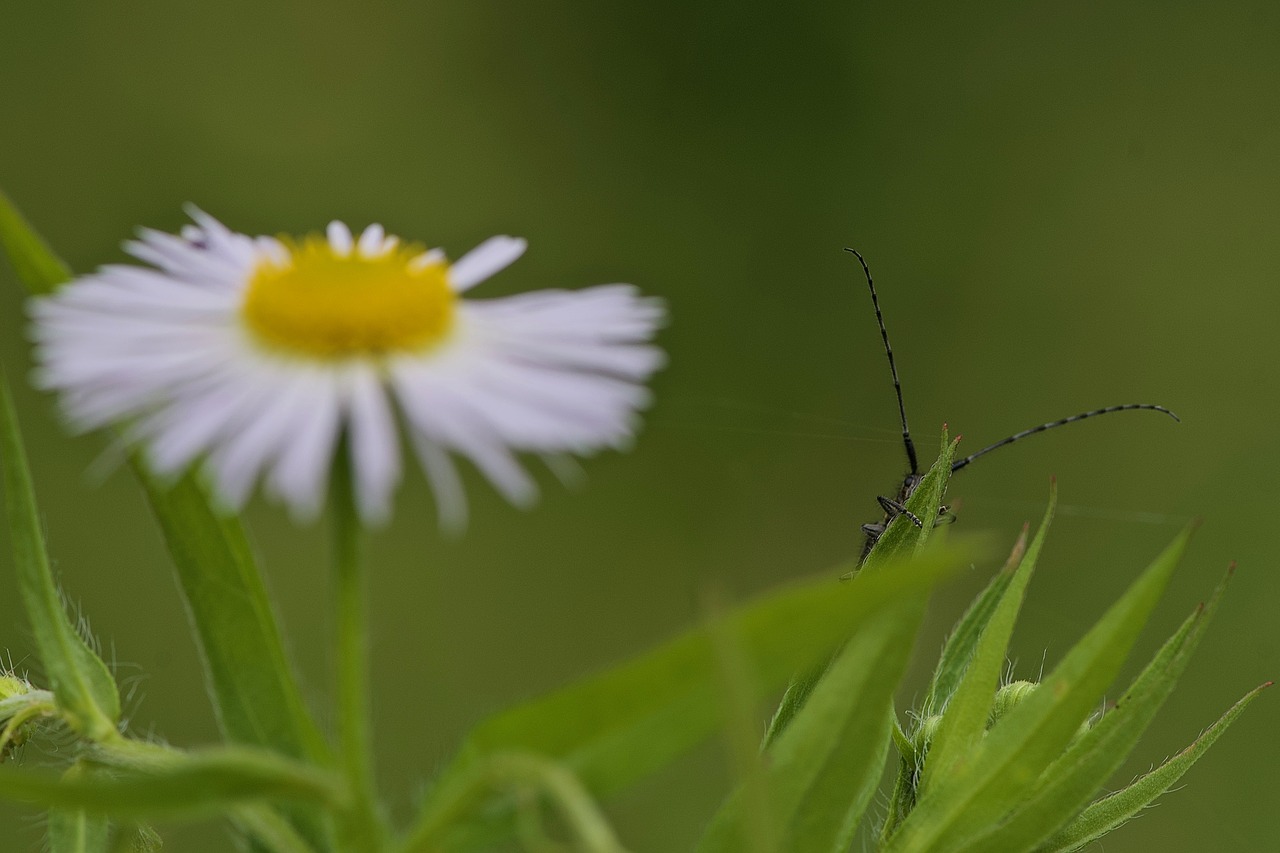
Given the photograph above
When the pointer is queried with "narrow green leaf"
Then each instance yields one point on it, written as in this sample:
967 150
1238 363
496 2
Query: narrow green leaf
527 778
1092 758
964 720
901 539
78 831
824 769
81 684
1110 812
257 697
741 735
268 830
902 797
187 784
958 649
615 727
251 680
952 663
37 267
1020 747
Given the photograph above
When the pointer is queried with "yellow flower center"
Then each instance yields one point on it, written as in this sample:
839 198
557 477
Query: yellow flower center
320 304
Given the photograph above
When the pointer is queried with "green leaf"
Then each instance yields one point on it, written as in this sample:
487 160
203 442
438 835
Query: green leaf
1010 759
1091 760
958 649
268 830
964 720
78 831
37 267
615 727
191 784
249 675
824 769
81 684
952 664
529 779
900 539
1110 812
256 696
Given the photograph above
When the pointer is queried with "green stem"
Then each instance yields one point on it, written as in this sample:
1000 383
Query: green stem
355 742
520 773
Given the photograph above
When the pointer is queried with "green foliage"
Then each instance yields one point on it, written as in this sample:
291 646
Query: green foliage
984 768
37 266
256 695
616 727
900 539
149 781
1113 811
962 727
85 692
826 745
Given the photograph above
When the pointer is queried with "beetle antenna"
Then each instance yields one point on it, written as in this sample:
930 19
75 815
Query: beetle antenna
956 466
893 368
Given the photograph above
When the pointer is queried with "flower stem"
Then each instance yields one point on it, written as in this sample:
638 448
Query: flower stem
355 743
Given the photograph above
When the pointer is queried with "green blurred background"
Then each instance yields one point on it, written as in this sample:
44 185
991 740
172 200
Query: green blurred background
1065 205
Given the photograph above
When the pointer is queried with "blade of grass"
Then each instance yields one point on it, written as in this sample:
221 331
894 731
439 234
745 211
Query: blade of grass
1015 752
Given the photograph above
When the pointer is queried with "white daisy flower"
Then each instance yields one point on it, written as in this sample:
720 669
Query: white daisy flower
255 354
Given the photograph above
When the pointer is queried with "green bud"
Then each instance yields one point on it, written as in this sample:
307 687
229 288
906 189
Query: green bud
20 706
11 685
1008 698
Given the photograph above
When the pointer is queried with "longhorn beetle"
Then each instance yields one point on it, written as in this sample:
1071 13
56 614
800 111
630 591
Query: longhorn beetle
893 507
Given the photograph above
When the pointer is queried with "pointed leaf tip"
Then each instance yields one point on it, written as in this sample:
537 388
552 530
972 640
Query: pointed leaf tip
35 263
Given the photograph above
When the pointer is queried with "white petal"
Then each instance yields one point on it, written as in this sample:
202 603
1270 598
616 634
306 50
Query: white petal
301 473
490 257
277 405
448 416
339 237
370 244
446 485
427 259
375 450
